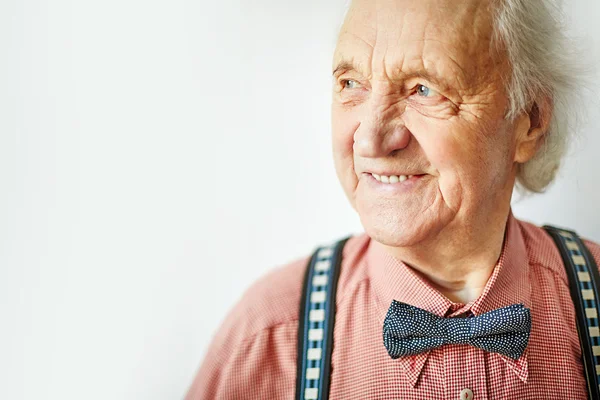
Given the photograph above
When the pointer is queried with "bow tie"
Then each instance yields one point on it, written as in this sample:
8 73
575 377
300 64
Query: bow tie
409 330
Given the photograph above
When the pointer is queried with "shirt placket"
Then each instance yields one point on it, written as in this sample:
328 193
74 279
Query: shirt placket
465 374
464 365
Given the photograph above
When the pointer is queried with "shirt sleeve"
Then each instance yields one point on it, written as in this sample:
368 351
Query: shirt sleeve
253 353
260 367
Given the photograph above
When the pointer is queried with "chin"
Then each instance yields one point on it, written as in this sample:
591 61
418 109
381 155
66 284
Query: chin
397 231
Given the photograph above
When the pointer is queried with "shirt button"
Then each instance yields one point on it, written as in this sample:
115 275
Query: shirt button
466 394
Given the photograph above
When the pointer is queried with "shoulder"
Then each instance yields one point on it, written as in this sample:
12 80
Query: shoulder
256 335
543 252
274 299
594 249
259 334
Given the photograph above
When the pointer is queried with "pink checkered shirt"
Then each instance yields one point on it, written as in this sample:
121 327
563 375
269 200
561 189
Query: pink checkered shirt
253 354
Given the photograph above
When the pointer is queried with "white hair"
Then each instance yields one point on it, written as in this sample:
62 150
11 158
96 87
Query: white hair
543 75
542 69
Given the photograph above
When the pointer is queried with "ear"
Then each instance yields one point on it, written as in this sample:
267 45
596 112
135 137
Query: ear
530 129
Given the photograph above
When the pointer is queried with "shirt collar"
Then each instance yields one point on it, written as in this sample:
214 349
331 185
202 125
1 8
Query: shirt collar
509 284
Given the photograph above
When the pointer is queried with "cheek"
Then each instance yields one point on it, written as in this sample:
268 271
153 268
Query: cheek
466 157
343 127
442 141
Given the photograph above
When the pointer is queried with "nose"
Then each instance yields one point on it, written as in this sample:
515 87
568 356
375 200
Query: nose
381 132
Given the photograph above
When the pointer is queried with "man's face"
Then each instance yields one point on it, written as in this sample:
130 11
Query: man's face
418 92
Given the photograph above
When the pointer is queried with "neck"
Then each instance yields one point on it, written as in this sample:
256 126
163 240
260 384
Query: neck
458 268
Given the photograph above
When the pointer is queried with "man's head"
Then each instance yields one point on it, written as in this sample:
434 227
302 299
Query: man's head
427 89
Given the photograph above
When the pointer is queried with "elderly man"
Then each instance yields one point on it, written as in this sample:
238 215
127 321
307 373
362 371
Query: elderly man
440 108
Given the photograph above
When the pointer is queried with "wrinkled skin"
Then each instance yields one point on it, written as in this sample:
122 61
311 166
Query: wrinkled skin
452 130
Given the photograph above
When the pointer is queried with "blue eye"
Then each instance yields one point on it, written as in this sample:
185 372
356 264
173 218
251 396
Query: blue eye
350 84
423 90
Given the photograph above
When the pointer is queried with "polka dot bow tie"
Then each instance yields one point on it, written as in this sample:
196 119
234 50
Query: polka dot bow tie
409 330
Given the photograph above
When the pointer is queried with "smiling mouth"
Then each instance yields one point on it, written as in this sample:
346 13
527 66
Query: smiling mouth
393 178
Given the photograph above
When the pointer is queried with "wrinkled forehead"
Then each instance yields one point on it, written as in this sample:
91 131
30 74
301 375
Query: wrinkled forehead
389 36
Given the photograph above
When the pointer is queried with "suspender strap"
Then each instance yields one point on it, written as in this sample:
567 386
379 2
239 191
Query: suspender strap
584 283
315 326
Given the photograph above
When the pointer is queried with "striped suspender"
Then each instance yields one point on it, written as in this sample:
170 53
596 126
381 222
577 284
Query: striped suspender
315 327
584 282
317 313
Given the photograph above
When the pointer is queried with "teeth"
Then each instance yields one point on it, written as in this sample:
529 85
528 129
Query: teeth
391 179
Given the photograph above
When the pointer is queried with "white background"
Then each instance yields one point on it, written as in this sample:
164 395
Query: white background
158 157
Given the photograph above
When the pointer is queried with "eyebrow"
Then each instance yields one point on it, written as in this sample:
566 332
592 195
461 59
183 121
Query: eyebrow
346 65
343 65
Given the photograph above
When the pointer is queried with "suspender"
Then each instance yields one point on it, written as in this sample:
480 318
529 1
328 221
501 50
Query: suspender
317 313
317 318
584 282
